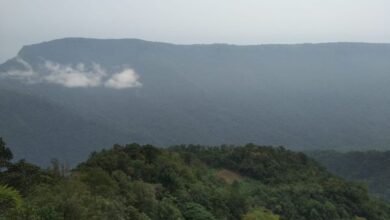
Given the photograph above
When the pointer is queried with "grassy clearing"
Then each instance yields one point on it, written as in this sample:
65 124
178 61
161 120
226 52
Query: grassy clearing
229 176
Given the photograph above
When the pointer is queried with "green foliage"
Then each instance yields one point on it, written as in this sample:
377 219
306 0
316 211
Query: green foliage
9 199
195 211
23 176
261 214
69 200
168 210
5 155
270 165
99 182
184 182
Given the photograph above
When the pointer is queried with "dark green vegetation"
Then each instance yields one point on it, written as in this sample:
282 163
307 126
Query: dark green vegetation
310 95
184 182
371 167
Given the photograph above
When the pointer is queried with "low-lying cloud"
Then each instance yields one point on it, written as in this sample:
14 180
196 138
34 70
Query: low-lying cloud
125 79
80 75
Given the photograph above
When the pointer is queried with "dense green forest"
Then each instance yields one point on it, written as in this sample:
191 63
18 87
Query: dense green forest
371 167
183 182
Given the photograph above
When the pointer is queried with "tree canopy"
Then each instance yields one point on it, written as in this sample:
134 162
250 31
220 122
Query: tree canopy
185 182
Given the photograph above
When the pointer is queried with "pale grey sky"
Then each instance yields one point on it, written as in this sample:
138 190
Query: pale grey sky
193 21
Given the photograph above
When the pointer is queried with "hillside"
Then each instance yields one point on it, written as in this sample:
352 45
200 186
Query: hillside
305 96
184 182
370 167
48 130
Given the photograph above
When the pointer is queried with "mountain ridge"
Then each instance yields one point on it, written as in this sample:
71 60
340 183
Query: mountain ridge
306 96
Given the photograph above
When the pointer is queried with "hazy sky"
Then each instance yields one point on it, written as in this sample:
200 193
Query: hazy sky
193 21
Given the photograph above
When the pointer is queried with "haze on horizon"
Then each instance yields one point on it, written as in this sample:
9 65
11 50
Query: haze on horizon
25 22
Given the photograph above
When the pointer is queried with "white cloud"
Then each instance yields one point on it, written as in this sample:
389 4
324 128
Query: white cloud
125 79
78 76
73 80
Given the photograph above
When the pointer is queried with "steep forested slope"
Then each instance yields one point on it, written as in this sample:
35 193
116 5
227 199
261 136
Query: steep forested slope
185 182
332 95
47 130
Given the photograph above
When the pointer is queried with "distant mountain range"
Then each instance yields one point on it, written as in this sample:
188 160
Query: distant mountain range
67 97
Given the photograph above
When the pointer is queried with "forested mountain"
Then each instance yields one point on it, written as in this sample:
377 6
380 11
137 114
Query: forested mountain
183 182
371 167
49 129
305 96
